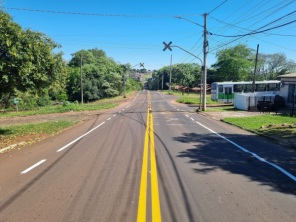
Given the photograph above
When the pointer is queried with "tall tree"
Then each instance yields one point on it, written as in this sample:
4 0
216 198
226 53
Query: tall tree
26 59
234 64
273 65
101 75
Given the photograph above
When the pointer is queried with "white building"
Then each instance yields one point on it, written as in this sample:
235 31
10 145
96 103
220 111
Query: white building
288 88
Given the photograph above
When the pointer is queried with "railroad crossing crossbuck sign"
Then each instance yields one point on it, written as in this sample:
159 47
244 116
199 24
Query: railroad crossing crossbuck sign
167 46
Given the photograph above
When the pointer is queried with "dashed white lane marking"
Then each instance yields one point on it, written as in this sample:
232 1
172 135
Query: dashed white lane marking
109 118
187 115
178 109
192 119
114 115
128 106
34 166
74 141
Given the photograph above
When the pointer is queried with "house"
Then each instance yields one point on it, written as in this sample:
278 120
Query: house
288 88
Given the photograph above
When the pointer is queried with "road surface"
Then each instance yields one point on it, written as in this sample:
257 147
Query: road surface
149 160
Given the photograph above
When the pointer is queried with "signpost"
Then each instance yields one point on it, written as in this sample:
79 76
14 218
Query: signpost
16 102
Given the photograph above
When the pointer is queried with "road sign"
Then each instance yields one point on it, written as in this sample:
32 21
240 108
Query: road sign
15 101
167 46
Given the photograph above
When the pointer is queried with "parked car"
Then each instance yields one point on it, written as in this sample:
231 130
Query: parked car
270 102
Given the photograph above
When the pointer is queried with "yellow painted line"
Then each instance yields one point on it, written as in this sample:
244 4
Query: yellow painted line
143 186
149 140
156 213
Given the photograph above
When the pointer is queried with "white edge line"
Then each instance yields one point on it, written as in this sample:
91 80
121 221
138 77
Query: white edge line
291 176
34 166
74 141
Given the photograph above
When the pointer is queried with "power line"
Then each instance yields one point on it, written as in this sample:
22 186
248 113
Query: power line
254 32
97 14
217 7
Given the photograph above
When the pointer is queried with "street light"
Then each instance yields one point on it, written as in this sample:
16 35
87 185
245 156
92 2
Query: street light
205 44
168 46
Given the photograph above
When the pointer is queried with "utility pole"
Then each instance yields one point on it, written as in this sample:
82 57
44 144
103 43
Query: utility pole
170 75
162 82
205 44
81 84
254 76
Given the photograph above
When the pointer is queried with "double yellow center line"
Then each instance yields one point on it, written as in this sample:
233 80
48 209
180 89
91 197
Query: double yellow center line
149 143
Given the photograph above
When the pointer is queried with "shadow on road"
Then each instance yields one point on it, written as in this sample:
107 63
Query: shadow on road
212 152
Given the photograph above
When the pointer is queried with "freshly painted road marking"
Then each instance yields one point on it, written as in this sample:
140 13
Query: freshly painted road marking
142 205
74 141
143 185
156 214
291 176
34 166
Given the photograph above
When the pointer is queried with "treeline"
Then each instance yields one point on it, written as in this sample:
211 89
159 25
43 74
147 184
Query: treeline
33 73
233 64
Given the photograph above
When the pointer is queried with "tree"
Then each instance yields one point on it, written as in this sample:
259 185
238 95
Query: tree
26 60
101 75
272 65
234 64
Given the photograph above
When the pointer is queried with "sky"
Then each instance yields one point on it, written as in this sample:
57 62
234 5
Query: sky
133 31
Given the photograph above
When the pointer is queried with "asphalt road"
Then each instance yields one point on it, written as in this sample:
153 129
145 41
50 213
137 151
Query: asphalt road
149 160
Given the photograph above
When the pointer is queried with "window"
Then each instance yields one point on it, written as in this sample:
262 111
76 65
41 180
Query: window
238 88
220 88
273 86
260 87
249 88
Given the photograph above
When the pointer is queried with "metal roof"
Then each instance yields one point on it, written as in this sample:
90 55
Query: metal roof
291 75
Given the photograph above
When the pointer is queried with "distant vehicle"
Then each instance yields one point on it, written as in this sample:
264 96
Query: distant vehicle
224 91
270 102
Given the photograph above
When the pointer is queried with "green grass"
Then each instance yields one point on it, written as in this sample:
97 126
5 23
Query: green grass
254 123
31 129
221 108
195 99
60 109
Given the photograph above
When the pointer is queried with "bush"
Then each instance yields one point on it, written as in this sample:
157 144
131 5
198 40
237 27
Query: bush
43 101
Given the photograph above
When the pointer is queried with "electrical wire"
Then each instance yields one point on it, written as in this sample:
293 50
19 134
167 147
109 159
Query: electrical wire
254 32
97 14
217 7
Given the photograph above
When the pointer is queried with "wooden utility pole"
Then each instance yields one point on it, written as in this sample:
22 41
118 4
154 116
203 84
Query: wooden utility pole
170 88
254 76
81 84
205 45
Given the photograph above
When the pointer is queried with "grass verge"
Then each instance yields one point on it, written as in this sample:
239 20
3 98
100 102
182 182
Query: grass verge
59 109
193 98
280 128
30 133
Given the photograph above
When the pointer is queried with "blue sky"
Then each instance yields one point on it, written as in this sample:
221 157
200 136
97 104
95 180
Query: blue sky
132 31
